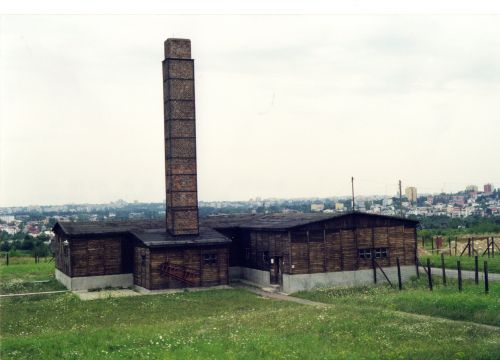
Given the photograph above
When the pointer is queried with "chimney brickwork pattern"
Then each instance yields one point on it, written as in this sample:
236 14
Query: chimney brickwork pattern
180 138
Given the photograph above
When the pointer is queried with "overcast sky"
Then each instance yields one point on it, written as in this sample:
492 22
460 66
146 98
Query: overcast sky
287 106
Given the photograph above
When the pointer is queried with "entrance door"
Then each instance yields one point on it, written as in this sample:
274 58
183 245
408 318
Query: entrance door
276 270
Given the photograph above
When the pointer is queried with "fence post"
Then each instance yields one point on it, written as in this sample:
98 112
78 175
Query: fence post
416 264
443 269
7 258
449 244
429 276
456 241
476 269
459 269
488 245
468 246
432 245
486 285
374 267
400 285
492 246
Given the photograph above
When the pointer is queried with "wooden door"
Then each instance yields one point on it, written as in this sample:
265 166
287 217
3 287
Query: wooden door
276 276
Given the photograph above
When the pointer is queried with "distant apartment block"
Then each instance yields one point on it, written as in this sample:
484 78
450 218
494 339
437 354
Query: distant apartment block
317 207
488 189
411 193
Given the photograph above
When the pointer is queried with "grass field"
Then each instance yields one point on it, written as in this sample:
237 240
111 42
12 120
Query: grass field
235 324
472 304
21 274
466 262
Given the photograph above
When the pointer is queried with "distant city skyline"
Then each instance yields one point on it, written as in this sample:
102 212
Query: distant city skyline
260 198
287 106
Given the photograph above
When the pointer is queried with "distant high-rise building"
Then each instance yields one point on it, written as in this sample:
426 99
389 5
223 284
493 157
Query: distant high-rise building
471 188
488 188
411 193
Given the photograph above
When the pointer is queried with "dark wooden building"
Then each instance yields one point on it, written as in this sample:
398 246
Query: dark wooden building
302 251
290 251
138 253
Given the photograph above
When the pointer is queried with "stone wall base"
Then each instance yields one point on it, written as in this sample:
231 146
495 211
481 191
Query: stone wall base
300 282
94 282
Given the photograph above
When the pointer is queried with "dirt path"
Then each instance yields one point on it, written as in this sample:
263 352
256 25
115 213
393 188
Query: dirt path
283 297
277 296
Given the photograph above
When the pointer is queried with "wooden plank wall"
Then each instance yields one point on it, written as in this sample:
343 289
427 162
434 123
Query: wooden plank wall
334 258
62 255
93 257
192 258
142 266
314 250
274 244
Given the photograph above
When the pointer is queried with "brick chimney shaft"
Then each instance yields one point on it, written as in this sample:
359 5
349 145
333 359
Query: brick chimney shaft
180 138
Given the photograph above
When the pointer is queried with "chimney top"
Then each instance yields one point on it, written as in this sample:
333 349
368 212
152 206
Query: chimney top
177 48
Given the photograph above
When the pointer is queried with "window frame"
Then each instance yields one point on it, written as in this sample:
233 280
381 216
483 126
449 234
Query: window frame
210 259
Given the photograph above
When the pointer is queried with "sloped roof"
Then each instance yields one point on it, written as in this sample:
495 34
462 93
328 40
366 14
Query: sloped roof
107 227
153 232
161 238
282 221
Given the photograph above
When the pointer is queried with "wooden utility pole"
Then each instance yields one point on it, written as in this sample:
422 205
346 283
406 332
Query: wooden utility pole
400 199
352 186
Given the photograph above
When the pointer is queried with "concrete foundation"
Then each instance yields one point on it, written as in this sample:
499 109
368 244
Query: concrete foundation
254 276
94 282
300 282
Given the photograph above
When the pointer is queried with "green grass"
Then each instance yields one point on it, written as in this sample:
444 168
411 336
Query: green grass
226 324
21 274
466 262
234 324
472 304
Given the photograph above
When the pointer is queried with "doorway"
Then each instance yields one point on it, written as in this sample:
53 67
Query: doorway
276 270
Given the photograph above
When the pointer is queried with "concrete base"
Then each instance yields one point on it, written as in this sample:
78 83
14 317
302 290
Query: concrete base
300 282
235 273
95 282
254 276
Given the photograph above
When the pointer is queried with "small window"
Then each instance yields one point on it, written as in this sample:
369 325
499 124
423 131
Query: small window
380 253
365 253
210 259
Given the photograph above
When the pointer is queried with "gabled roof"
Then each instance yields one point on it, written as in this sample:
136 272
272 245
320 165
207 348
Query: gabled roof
153 233
284 221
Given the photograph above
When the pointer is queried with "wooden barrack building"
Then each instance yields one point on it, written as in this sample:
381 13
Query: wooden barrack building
289 251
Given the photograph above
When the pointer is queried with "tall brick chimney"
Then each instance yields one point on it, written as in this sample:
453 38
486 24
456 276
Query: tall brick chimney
180 138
